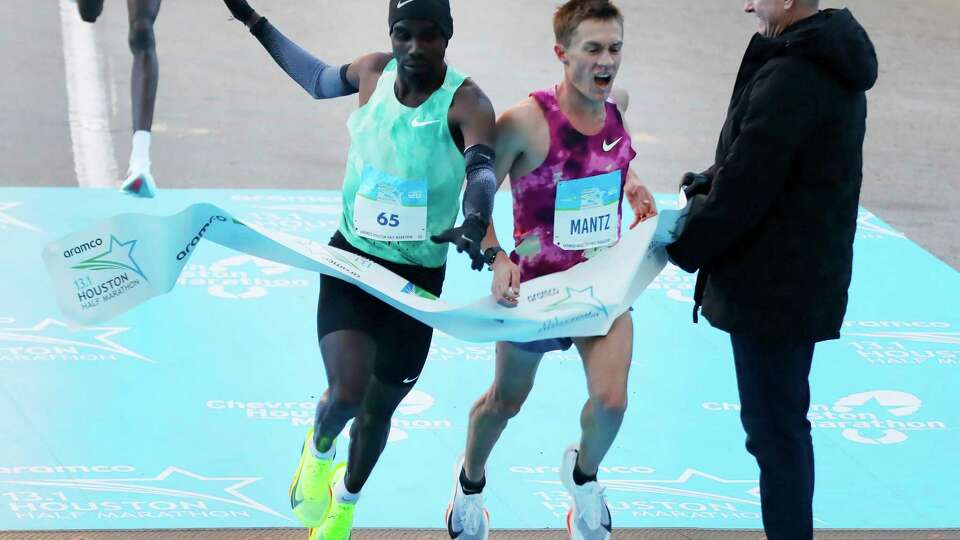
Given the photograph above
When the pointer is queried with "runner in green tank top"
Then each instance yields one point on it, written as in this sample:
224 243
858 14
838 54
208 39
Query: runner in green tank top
421 131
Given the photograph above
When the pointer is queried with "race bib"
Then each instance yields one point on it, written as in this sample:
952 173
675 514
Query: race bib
585 214
390 209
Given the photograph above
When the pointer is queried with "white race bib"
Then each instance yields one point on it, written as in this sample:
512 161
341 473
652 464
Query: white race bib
585 213
390 209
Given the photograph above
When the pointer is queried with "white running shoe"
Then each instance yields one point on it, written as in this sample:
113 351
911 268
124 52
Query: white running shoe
466 517
139 182
588 517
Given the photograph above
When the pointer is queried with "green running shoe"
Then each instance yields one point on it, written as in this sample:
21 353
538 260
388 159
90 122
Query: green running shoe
310 490
339 523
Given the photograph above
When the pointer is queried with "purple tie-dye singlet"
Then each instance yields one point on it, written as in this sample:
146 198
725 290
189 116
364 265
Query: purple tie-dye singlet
572 156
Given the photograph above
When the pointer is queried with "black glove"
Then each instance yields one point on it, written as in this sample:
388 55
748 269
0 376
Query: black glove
240 9
467 238
695 184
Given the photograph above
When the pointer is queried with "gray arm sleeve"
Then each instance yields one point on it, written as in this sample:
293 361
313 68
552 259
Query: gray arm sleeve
319 79
481 182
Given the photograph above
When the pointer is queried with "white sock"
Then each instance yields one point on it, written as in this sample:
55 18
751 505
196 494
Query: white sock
343 494
140 154
329 454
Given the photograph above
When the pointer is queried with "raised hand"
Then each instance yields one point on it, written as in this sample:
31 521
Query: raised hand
241 10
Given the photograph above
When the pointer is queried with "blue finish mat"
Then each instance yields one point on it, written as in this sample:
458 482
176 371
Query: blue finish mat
189 411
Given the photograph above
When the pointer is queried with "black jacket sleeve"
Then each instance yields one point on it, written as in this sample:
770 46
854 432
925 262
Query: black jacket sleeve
780 117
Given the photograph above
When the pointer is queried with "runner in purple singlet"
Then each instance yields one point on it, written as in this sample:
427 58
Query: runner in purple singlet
567 150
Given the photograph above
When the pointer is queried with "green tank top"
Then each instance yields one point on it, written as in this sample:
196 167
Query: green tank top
404 174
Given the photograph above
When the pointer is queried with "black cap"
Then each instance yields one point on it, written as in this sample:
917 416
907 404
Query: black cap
436 11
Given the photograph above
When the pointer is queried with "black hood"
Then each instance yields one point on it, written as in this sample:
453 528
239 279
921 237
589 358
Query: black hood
834 39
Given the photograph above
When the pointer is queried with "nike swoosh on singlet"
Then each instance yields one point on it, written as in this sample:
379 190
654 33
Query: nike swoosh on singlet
610 146
408 381
402 3
417 123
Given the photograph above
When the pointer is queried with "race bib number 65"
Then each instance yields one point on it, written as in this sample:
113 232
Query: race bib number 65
390 209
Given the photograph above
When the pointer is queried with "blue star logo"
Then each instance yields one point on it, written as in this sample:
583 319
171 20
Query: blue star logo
108 261
579 298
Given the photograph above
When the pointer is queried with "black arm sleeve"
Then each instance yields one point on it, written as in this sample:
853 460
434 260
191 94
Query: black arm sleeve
481 182
319 79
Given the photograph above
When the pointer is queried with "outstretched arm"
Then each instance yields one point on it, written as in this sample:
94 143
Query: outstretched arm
473 114
477 124
318 78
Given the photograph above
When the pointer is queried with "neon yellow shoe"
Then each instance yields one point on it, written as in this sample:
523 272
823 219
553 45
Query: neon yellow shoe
310 490
339 523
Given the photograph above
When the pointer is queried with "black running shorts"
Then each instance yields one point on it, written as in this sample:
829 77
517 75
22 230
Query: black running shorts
402 341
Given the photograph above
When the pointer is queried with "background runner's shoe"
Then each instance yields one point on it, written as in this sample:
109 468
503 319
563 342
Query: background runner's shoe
310 489
466 517
339 522
139 183
588 517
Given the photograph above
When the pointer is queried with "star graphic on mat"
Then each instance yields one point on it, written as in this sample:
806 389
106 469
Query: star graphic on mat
878 404
54 333
690 483
579 298
892 401
171 482
108 261
6 220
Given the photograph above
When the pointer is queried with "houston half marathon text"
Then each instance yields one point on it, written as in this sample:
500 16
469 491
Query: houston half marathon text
92 296
118 510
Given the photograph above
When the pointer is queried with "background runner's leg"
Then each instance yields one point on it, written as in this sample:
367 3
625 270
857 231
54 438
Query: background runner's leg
606 361
90 9
146 68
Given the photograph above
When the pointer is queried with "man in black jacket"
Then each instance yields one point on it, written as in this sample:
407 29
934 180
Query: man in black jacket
771 227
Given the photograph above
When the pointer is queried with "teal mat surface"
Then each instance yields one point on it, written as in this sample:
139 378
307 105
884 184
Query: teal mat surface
189 411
